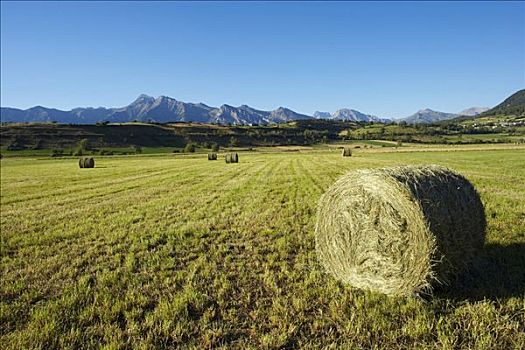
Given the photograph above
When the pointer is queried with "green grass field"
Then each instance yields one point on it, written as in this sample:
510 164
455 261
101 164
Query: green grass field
146 252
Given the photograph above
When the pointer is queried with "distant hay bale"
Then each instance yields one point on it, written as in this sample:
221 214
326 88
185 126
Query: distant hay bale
399 230
86 162
212 156
347 152
232 158
90 163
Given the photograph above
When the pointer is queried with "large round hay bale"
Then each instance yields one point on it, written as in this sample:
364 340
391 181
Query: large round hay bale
235 158
228 158
347 152
212 156
399 230
81 163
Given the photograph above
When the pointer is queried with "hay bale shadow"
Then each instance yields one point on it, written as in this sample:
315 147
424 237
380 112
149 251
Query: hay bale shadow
498 272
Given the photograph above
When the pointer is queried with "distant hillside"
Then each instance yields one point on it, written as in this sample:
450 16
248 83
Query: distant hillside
162 109
350 115
322 115
513 105
473 111
428 116
57 136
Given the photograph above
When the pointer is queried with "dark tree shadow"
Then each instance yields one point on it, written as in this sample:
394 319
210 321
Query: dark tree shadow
498 272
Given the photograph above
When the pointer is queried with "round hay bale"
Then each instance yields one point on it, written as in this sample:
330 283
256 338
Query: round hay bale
399 230
347 152
85 162
235 158
212 156
228 158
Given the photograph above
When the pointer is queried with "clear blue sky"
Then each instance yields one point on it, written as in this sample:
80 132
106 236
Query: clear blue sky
384 58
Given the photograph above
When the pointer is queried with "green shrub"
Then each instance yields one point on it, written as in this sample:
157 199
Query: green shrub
15 145
78 153
57 153
83 144
190 148
233 142
104 152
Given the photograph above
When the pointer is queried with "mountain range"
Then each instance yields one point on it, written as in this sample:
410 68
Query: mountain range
350 115
165 109
429 116
472 112
513 105
149 109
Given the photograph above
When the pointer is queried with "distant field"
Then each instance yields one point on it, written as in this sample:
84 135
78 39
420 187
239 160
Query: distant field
45 138
145 252
501 137
67 152
377 145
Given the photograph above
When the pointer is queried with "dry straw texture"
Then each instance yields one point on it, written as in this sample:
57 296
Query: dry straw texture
347 152
399 230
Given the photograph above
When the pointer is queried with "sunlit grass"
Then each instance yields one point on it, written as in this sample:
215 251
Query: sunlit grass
166 251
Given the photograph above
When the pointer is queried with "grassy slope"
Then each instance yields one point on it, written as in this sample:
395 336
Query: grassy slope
514 104
148 252
410 133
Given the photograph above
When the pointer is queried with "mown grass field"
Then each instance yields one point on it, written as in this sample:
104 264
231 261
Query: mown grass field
147 252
